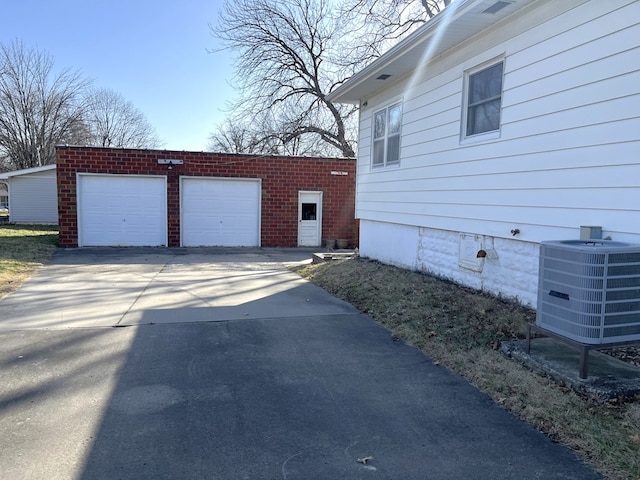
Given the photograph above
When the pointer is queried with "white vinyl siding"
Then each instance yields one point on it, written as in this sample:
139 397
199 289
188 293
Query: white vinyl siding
33 198
569 132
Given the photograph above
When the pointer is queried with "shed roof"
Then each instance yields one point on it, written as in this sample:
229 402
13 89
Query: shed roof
26 171
460 21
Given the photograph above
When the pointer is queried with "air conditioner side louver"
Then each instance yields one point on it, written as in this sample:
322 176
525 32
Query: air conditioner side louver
589 290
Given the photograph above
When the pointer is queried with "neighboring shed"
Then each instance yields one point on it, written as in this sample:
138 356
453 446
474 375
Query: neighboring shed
493 127
32 195
127 197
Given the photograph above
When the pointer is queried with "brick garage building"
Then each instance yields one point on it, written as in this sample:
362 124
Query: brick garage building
127 197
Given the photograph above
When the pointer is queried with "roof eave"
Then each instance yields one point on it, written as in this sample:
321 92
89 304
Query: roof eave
26 171
361 86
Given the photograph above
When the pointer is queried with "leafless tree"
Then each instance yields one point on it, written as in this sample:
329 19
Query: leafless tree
379 24
113 121
269 133
233 136
283 68
38 108
264 134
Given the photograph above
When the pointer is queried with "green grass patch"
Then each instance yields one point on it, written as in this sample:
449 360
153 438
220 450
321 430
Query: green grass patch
24 248
461 329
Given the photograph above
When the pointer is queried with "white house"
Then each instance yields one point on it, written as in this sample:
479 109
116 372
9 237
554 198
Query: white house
33 195
497 125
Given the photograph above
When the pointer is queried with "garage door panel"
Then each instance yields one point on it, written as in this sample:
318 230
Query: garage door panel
122 210
220 212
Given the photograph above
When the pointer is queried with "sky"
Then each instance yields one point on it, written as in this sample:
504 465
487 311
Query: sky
153 52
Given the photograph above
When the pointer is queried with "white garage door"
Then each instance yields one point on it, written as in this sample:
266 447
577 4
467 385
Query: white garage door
220 212
122 210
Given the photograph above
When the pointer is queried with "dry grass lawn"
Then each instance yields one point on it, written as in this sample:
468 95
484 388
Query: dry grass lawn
24 248
461 328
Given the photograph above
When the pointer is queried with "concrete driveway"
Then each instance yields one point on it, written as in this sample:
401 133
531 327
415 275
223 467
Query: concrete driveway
228 366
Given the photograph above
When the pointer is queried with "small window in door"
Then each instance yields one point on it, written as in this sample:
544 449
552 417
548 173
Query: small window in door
309 211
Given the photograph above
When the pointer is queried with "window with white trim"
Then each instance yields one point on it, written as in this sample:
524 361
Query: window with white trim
483 100
386 136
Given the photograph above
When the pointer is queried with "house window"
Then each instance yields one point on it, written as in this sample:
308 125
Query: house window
386 136
483 100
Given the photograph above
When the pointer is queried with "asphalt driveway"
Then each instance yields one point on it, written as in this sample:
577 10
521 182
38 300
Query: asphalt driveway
205 364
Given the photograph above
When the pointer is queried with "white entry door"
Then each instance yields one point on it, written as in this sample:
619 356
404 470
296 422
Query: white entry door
309 219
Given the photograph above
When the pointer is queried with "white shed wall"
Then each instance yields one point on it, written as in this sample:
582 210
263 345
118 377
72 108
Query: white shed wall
33 198
570 132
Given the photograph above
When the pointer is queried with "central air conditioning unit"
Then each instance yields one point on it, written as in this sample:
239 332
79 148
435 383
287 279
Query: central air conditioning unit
589 291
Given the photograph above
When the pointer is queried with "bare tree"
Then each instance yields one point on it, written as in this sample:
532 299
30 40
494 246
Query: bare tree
113 121
379 24
233 136
283 68
268 133
38 109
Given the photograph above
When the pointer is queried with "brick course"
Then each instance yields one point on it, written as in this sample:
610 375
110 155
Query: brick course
282 178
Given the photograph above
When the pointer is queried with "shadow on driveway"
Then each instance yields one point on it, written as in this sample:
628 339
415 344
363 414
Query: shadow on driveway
258 396
305 398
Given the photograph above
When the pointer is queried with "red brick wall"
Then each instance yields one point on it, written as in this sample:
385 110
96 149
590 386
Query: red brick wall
282 178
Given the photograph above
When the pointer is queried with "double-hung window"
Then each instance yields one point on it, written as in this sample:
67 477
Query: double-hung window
483 100
386 136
